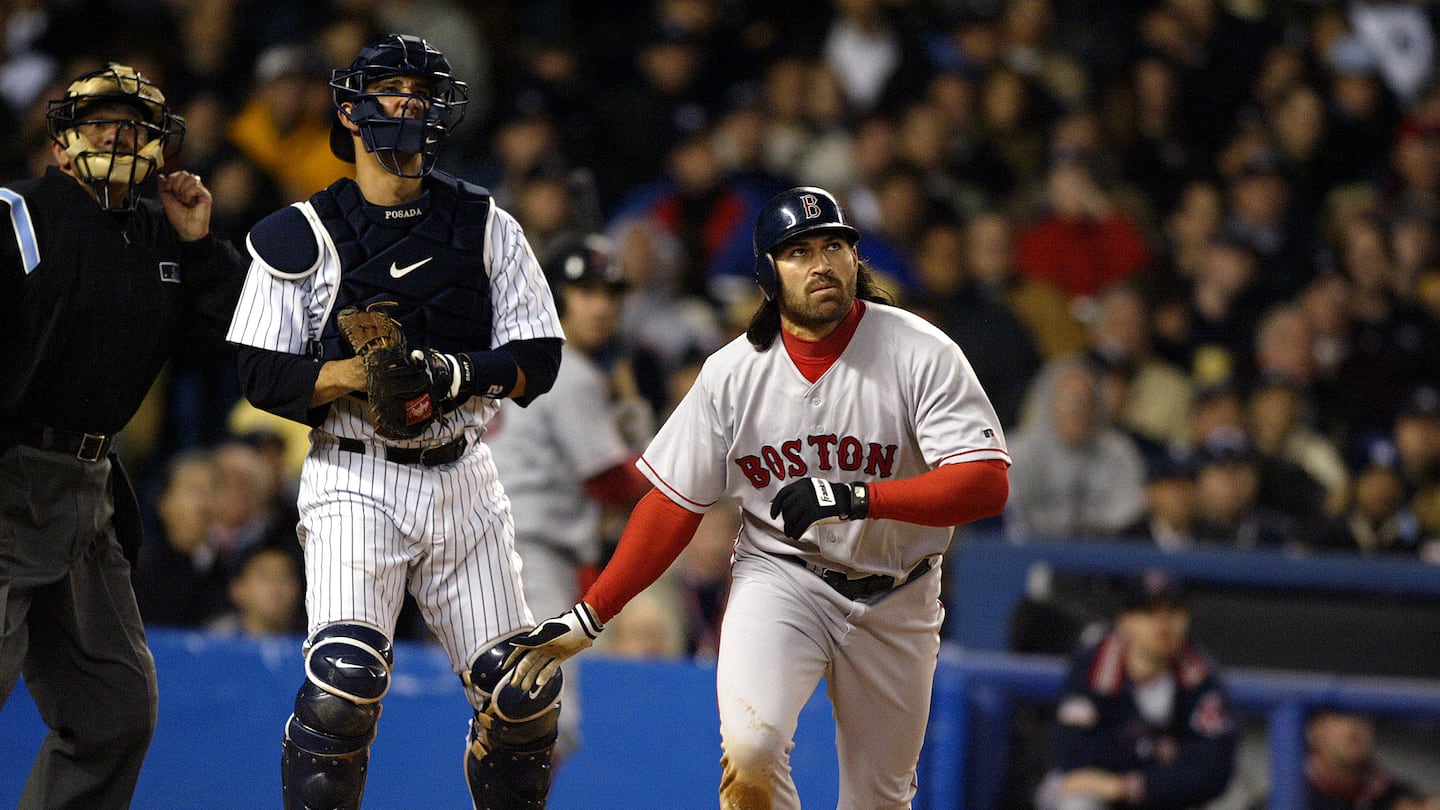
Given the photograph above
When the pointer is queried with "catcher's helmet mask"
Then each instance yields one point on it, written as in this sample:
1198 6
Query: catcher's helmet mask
141 144
393 139
793 213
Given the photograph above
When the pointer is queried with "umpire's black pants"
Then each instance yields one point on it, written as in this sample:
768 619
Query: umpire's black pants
68 620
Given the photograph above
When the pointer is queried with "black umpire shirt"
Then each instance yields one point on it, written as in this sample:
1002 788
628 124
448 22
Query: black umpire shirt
95 300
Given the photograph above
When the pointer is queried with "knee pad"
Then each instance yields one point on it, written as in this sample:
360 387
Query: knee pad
508 761
347 672
490 679
327 739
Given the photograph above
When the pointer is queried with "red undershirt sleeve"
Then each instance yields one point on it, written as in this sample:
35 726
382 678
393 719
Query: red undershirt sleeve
621 485
658 530
945 496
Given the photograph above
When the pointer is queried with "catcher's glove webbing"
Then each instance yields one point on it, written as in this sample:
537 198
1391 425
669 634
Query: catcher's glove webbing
402 404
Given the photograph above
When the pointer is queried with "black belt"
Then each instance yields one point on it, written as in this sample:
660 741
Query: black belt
861 589
428 456
84 446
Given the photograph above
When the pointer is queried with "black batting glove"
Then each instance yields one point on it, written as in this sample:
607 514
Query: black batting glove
452 376
813 500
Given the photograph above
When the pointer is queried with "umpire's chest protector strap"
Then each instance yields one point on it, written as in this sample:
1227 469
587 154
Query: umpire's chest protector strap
433 270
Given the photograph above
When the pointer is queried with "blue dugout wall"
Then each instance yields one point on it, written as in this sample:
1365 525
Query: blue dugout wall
651 729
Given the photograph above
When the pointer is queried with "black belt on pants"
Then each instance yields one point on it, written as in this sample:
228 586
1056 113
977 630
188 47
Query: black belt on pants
84 446
862 588
427 456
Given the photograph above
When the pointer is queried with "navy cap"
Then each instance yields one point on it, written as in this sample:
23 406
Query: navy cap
1151 589
1225 445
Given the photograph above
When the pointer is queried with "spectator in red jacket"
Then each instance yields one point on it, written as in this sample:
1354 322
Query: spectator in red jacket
1085 242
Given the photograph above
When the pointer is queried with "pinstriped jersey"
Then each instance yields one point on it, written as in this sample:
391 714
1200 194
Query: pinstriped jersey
900 400
439 273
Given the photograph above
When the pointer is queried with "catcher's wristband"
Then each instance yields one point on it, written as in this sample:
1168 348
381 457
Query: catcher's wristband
859 501
494 374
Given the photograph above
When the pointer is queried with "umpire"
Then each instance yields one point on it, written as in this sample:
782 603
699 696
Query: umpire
99 281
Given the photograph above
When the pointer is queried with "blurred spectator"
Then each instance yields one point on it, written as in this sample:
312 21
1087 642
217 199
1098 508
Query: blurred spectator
703 580
977 317
1151 399
1363 114
1229 511
872 56
1377 519
1342 771
249 512
1262 218
1222 312
1144 718
648 628
1392 338
660 326
285 125
1417 434
266 594
645 116
709 211
1161 157
1083 243
1011 119
989 260
173 585
1275 416
1170 505
1075 475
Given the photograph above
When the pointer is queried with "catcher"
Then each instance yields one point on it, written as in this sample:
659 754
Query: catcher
391 313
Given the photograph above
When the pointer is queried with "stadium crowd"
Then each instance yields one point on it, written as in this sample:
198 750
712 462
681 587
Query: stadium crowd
1189 246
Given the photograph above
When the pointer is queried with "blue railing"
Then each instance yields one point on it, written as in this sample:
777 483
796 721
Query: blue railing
986 575
976 683
974 692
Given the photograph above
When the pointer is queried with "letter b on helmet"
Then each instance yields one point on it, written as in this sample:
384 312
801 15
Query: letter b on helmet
789 214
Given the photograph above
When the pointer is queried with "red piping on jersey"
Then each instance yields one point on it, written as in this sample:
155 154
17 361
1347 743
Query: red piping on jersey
658 530
971 451
675 494
945 496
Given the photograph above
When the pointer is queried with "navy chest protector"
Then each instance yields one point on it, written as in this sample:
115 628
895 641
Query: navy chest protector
430 264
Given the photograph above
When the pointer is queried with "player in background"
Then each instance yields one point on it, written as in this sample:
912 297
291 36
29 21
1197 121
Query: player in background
1144 719
378 517
565 459
853 436
98 282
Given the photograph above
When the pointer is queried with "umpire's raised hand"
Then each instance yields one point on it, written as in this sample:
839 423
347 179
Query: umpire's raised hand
187 204
539 653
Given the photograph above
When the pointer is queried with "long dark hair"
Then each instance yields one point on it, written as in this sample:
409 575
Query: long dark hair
765 324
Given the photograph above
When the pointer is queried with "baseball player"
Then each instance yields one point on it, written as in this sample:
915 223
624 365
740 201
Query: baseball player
853 436
1144 719
380 515
565 458
98 283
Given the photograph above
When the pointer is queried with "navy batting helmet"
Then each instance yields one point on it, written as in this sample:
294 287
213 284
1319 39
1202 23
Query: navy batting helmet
444 103
588 260
788 215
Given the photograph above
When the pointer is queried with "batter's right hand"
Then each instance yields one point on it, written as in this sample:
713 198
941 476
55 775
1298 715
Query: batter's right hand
539 653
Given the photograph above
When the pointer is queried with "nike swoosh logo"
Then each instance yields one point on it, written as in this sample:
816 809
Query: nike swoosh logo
399 272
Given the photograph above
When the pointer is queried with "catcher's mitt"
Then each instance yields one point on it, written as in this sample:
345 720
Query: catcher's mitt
402 405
